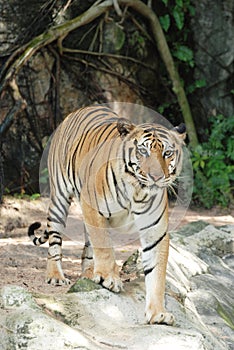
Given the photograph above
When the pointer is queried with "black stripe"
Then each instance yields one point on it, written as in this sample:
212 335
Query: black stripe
59 206
42 240
147 134
90 125
54 243
56 236
55 257
151 200
93 128
107 168
58 187
118 191
55 218
108 135
142 200
129 165
156 221
147 271
153 245
106 201
35 240
147 208
75 177
97 149
114 177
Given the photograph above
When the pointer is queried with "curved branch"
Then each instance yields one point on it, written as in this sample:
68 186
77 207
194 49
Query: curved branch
104 54
52 34
60 31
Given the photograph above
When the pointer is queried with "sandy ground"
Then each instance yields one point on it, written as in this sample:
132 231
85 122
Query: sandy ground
23 264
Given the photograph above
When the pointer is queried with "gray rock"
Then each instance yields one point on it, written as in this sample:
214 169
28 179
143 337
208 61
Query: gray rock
214 54
199 292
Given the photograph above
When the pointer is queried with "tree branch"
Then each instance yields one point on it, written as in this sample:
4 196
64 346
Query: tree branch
52 34
57 32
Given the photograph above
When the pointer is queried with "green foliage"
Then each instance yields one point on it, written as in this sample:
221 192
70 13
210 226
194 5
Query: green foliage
178 15
197 84
184 53
165 22
23 195
175 18
213 165
177 11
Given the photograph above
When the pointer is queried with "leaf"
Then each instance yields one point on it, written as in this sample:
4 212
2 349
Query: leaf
179 17
202 164
35 196
165 2
179 3
184 53
200 83
196 85
165 22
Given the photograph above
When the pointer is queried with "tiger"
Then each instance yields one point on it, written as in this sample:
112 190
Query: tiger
120 173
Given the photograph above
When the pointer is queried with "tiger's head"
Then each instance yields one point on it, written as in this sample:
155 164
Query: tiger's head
152 153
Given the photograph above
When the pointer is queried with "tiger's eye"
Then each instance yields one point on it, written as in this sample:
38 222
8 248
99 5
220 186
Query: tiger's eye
143 151
168 153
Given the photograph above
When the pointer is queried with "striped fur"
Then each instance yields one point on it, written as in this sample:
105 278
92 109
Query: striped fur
120 173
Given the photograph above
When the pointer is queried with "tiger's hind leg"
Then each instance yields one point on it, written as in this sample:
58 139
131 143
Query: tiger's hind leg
87 258
56 220
106 271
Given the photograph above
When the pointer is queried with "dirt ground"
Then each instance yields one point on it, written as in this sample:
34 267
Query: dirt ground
23 264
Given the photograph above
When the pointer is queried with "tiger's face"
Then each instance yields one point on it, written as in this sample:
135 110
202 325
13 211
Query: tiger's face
153 154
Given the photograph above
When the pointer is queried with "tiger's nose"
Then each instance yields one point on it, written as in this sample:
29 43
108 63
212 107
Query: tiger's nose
157 177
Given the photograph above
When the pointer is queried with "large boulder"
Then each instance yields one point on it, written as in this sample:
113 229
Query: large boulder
199 293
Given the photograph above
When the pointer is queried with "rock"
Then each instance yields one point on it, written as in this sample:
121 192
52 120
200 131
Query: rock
84 285
213 53
218 241
24 325
199 294
133 264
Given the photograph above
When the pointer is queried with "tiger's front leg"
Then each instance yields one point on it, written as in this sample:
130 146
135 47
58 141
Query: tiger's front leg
154 258
105 269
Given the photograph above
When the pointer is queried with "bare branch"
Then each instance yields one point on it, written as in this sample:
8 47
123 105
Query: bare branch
54 33
25 53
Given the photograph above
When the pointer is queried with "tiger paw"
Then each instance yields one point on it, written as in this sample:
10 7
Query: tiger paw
113 283
160 318
55 274
58 281
87 273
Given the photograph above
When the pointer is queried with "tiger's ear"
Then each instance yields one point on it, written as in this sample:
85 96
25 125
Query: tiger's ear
124 126
181 131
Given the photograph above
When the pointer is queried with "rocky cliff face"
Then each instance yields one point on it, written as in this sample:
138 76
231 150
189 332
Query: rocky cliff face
213 33
199 293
